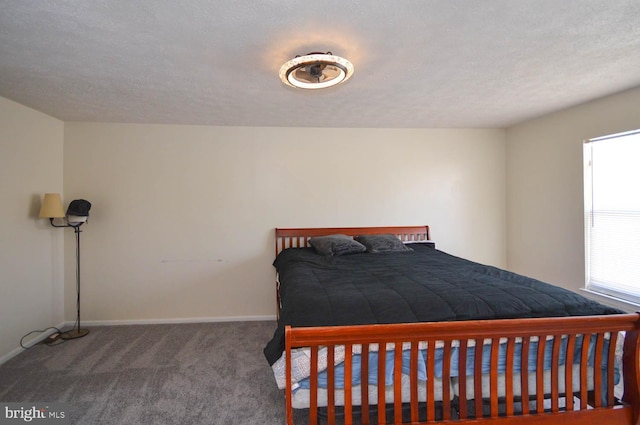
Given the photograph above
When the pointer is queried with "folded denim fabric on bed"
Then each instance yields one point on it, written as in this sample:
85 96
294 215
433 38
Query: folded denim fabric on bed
470 363
336 245
382 243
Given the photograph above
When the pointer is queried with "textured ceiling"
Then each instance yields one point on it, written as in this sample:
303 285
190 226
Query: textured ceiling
424 63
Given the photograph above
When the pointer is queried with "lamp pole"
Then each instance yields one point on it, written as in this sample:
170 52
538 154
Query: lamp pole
77 332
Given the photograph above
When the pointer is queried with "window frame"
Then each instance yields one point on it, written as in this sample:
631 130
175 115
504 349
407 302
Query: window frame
591 286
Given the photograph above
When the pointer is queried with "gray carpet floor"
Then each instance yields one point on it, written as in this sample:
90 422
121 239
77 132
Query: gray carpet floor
204 373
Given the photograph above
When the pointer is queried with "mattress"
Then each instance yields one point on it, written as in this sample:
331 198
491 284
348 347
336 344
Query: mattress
300 398
531 382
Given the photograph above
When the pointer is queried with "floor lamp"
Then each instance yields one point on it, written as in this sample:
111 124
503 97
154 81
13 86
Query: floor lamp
76 216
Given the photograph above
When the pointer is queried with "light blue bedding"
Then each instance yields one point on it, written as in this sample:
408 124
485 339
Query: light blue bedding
486 366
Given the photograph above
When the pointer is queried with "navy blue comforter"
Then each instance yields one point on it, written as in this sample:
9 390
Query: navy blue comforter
423 285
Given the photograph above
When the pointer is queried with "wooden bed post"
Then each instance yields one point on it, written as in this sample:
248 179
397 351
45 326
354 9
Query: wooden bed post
631 362
288 390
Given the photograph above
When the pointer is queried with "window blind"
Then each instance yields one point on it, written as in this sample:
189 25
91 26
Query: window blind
612 215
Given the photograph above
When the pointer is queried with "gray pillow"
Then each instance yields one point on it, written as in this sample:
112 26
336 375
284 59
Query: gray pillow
336 245
382 243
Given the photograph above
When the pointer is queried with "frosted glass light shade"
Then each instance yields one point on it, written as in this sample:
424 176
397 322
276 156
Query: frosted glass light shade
316 71
52 206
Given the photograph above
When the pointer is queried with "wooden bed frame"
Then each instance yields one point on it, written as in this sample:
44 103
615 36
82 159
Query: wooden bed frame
586 405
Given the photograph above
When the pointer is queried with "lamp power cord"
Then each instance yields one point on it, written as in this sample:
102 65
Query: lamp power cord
52 339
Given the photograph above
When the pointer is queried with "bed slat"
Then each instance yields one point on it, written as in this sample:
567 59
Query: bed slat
555 364
524 373
397 382
509 364
431 367
313 409
613 338
542 341
462 383
364 383
446 377
568 371
331 402
597 375
477 378
414 381
493 381
348 380
381 378
583 371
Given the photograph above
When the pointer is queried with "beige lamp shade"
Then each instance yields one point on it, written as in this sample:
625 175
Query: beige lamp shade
52 206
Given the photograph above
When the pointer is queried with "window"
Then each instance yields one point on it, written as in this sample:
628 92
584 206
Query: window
612 215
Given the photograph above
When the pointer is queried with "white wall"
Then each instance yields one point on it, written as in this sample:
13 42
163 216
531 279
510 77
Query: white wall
545 236
31 257
183 216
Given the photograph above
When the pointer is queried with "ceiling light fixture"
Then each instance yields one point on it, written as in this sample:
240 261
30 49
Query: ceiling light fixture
316 71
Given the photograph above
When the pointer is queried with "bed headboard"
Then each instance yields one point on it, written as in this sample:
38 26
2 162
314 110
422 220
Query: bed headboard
299 238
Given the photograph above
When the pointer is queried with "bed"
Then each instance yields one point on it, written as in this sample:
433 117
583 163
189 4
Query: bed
397 337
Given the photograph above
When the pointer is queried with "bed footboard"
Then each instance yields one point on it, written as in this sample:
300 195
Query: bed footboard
538 371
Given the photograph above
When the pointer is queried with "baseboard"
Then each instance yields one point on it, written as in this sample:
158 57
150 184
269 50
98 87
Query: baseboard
174 321
67 325
11 354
